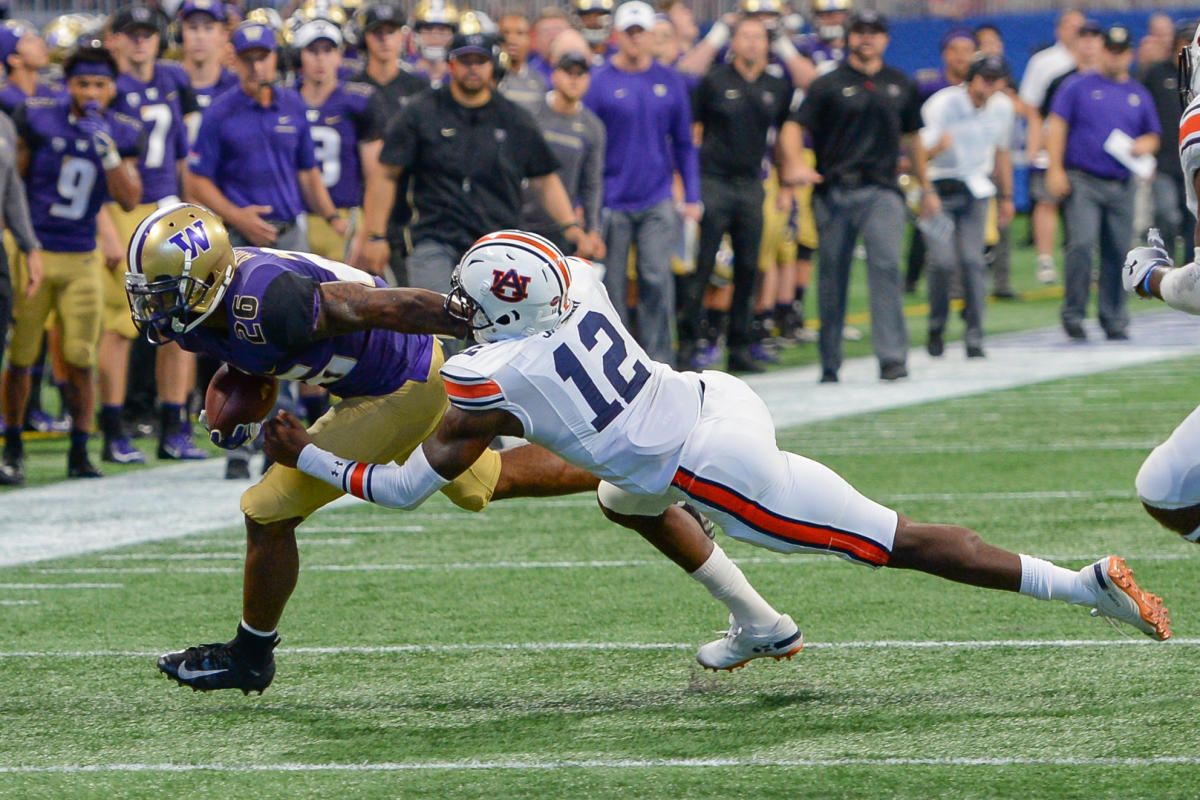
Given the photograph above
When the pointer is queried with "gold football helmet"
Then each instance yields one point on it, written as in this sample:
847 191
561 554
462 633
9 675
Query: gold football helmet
180 263
435 12
61 35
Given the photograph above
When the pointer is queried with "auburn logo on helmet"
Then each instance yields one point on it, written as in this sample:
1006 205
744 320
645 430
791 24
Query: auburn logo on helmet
509 286
192 240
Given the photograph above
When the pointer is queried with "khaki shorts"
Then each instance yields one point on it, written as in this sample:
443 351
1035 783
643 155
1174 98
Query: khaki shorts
378 430
70 287
777 247
116 307
323 241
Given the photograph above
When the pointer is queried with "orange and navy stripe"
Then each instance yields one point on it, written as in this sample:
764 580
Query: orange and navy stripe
356 480
472 394
1189 128
539 245
770 523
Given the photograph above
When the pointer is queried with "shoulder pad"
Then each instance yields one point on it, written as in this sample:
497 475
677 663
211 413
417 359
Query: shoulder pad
40 102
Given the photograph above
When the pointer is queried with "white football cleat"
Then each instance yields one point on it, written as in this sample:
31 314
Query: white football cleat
739 645
1119 597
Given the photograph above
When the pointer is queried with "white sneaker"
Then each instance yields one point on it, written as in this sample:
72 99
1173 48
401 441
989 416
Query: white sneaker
1047 273
1118 596
738 645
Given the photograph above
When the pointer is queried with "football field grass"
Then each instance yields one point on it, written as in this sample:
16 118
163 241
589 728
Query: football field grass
535 650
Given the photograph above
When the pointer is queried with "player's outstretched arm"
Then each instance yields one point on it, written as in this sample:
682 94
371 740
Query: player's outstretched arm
347 306
458 443
1148 272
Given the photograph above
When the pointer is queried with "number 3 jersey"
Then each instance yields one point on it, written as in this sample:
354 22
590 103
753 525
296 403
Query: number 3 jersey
66 184
586 391
271 309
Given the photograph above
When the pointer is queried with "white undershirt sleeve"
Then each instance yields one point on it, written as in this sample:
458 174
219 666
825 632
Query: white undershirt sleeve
405 486
1180 288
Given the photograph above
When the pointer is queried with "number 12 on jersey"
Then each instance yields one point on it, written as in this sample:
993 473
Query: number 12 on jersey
571 369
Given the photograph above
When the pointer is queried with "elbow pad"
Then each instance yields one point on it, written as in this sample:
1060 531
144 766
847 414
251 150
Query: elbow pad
405 486
1180 288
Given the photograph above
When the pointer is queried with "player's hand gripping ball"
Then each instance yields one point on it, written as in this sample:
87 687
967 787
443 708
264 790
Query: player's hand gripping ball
235 406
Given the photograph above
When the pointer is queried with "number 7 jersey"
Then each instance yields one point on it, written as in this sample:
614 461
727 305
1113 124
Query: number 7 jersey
586 391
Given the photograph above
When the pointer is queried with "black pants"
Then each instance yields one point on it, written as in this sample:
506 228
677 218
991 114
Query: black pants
733 207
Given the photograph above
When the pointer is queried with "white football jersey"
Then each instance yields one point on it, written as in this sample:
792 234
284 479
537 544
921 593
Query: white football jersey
1189 150
586 391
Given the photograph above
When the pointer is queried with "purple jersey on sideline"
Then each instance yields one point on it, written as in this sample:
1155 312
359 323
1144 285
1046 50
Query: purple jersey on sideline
648 117
346 119
823 54
930 81
205 95
160 105
11 96
254 153
67 184
535 61
271 305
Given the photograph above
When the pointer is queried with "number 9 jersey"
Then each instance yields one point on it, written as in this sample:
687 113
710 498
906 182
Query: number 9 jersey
66 184
586 391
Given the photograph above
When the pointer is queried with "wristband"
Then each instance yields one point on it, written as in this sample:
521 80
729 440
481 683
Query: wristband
718 35
571 224
376 237
331 217
1146 282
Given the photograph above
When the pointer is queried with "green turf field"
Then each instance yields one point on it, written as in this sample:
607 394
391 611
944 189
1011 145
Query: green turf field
535 651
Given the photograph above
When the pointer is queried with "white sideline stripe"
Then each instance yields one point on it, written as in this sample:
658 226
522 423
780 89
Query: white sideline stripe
172 556
26 586
604 763
101 515
350 527
20 602
538 647
799 558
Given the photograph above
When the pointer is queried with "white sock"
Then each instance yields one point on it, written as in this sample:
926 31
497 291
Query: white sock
1046 581
726 582
257 632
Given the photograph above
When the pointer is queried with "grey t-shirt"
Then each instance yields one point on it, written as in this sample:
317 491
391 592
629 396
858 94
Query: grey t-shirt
577 140
12 190
526 88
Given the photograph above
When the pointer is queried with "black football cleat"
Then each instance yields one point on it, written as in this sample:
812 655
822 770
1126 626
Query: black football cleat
217 666
80 466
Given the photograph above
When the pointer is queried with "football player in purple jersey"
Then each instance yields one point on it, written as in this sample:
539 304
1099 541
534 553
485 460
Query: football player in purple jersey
302 317
203 42
75 153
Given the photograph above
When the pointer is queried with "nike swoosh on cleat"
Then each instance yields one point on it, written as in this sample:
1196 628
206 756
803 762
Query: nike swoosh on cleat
189 674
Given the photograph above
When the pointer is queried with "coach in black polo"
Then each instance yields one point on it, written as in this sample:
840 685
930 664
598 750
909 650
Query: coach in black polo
467 149
858 115
737 104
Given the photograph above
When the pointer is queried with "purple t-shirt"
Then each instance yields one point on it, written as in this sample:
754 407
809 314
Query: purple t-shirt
648 117
254 153
67 184
160 105
346 119
1093 107
271 305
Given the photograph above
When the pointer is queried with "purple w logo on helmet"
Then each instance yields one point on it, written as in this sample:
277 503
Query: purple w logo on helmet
192 240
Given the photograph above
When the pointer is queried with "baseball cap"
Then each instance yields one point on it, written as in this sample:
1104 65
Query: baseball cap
574 59
381 14
466 43
954 34
1090 27
316 29
635 13
250 35
1117 39
10 35
867 19
214 8
989 65
130 17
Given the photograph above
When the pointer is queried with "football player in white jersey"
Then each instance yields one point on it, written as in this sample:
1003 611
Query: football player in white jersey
1168 483
556 366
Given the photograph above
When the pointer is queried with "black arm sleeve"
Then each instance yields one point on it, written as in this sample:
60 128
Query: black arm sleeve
290 311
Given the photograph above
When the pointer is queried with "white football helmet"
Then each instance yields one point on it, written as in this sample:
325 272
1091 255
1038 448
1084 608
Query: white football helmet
509 285
1189 69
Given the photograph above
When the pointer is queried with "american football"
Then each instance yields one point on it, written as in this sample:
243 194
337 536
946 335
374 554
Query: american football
235 397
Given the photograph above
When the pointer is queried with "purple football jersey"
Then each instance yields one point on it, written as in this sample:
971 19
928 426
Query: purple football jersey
160 105
67 185
346 119
265 299
206 94
11 96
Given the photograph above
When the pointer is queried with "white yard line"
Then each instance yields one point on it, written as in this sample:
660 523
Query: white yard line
545 647
605 764
170 502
